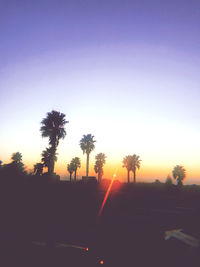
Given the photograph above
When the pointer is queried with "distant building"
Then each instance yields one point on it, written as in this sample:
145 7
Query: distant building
89 179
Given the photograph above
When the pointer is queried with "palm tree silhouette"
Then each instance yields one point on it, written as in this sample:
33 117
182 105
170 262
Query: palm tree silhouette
1 163
179 174
53 128
38 168
70 169
87 145
100 161
127 163
16 157
76 163
135 165
17 163
47 158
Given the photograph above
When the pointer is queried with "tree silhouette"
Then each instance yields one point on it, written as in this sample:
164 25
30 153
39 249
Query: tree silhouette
70 169
135 165
53 128
47 157
76 163
100 161
168 180
17 161
87 145
179 174
1 163
127 163
38 168
16 157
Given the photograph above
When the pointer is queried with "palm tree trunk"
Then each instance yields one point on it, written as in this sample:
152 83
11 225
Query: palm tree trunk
128 172
87 166
134 176
53 147
75 176
70 178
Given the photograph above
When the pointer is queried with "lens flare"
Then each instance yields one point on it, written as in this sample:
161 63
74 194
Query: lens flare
59 245
106 196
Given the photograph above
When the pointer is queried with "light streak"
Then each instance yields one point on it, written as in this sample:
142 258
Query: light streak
106 196
70 245
59 245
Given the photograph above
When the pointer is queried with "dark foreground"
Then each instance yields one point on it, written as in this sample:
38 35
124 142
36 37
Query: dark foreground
53 225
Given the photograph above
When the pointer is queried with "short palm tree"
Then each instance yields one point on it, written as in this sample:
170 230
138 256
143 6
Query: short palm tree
76 163
70 169
38 168
135 165
17 161
53 127
87 145
47 158
127 163
16 157
100 161
179 174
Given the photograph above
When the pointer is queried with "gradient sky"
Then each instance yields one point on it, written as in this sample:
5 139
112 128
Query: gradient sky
125 71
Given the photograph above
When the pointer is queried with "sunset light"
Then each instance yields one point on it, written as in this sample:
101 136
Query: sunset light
136 91
100 133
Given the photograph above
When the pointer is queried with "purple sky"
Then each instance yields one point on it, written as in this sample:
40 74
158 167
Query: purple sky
31 28
130 67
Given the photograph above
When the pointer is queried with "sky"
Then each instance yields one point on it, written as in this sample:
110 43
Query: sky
125 71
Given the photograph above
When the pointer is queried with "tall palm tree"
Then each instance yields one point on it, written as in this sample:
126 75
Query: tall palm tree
38 168
16 157
179 174
127 163
100 161
135 165
76 163
47 158
53 127
70 169
87 145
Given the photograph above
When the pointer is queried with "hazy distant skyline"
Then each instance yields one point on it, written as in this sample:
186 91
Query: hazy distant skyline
125 71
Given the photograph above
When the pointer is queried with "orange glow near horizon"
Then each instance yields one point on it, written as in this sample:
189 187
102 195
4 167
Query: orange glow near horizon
106 196
149 171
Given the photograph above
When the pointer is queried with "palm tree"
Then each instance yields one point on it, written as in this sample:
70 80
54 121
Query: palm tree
76 163
87 145
127 163
53 128
135 165
17 163
1 163
100 161
38 168
47 157
16 157
179 174
70 169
